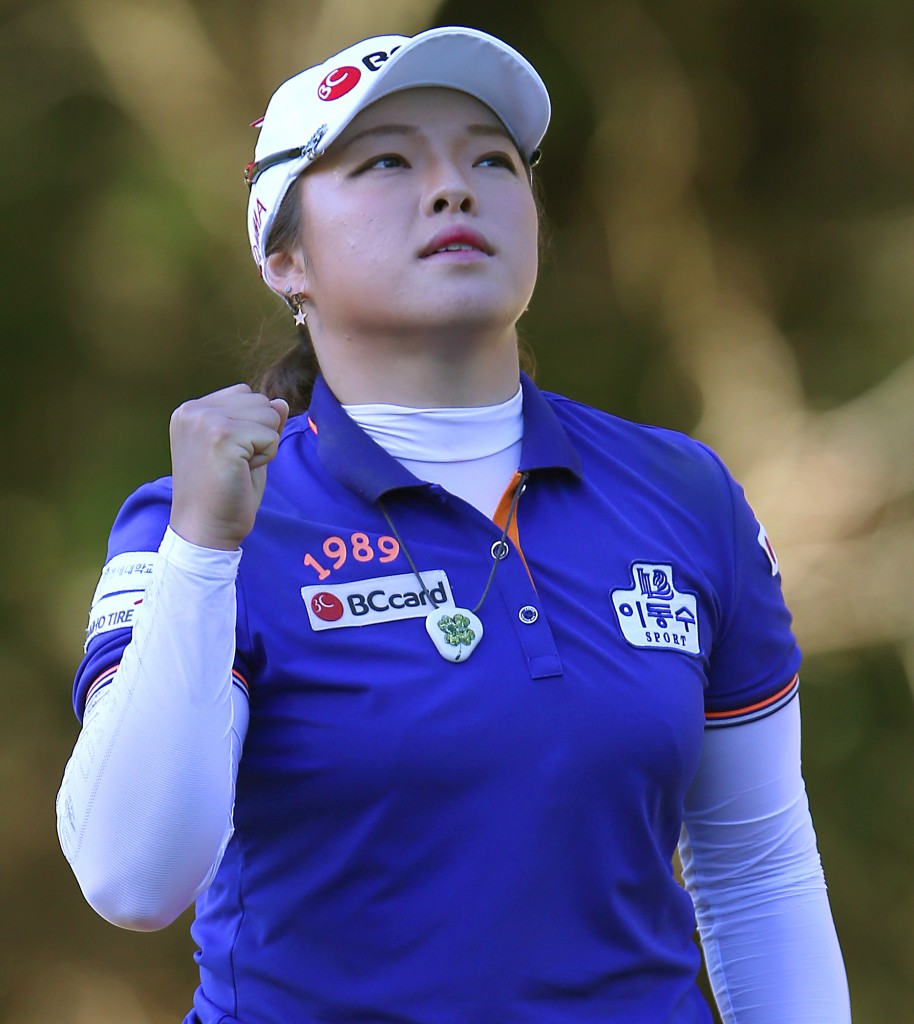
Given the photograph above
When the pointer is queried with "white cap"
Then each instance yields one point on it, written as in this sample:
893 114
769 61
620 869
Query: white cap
309 111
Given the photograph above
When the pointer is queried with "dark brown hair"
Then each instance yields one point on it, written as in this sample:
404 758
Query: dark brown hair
292 375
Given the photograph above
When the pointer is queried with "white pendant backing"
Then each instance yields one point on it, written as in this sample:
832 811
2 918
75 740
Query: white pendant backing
455 632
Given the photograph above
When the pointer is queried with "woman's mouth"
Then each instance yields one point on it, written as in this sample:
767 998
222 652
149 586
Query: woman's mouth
457 243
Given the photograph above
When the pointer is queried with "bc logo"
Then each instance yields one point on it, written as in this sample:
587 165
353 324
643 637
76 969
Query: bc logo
338 82
327 607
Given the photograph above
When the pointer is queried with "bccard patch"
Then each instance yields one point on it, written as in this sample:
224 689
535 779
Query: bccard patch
120 591
653 614
382 599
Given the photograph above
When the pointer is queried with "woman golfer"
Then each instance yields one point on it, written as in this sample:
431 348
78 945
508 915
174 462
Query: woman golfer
415 676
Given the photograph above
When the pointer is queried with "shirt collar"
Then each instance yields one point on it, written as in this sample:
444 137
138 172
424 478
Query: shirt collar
364 467
546 442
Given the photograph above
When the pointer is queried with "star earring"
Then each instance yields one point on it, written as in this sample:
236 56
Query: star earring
297 302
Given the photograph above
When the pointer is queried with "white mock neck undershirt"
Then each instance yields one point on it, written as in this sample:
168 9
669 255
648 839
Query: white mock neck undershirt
471 452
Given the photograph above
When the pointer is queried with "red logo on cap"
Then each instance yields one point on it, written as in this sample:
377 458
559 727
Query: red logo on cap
327 607
338 83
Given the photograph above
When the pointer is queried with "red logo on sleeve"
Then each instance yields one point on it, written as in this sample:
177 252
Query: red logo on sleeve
327 606
338 82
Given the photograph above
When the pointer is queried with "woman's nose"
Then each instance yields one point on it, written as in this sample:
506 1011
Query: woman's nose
449 191
453 200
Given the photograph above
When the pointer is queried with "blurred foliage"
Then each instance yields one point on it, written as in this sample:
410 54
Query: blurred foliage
730 191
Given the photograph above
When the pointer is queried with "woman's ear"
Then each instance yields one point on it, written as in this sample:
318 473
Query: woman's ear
285 272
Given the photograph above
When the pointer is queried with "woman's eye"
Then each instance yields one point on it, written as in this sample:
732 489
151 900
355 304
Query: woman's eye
384 163
497 160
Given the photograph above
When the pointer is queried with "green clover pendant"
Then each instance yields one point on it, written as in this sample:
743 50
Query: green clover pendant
456 633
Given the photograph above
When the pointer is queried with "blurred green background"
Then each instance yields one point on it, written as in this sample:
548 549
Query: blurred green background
730 190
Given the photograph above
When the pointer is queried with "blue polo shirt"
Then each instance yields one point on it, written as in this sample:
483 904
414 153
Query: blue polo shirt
488 841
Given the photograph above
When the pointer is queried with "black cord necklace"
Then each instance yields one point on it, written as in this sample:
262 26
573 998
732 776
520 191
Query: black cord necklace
457 632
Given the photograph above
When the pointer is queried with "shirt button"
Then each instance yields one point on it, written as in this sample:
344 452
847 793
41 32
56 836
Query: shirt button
528 614
500 549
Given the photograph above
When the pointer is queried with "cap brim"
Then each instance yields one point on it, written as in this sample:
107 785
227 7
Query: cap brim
471 62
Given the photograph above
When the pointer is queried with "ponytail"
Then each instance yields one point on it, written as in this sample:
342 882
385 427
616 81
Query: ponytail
292 375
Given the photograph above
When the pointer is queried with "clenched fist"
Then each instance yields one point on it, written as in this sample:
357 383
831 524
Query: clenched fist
220 447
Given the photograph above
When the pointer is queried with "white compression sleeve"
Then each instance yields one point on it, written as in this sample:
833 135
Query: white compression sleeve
144 812
751 864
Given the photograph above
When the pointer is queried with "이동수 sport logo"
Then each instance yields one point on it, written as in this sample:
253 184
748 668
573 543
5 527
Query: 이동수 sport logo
654 614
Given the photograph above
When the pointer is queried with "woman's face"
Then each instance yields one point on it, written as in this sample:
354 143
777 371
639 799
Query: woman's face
420 217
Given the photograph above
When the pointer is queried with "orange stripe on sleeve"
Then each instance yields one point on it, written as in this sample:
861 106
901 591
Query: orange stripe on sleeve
773 699
103 677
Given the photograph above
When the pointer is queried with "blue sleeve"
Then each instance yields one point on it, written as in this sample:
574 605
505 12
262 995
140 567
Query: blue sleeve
754 658
132 557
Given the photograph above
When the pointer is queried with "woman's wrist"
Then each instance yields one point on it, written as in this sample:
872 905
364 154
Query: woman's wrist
206 536
203 559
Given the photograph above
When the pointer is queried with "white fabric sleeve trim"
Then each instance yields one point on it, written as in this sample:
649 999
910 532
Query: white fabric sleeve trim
144 811
751 865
